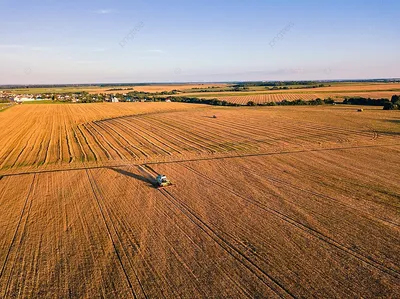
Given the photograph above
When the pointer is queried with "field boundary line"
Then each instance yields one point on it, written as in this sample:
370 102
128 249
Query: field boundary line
270 154
148 113
199 159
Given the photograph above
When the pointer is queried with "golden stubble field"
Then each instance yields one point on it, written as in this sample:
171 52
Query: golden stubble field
154 88
266 202
305 96
338 91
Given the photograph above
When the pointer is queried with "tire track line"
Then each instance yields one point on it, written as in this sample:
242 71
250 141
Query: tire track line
88 144
207 158
92 185
227 275
392 272
190 137
212 139
83 155
25 208
149 130
111 139
70 155
97 141
268 280
273 284
321 195
156 149
18 225
12 151
93 126
135 155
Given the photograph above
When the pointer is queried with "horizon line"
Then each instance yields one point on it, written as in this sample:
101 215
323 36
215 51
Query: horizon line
202 82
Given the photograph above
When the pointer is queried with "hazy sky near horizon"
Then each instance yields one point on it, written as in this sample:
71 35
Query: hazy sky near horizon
88 41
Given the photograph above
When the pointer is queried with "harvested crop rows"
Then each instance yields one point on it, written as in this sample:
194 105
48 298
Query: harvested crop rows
36 135
262 234
276 202
279 97
328 228
63 135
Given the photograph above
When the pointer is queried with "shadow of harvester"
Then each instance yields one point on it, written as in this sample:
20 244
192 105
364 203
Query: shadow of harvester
147 179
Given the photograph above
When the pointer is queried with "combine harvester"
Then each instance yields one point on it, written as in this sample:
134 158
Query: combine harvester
162 181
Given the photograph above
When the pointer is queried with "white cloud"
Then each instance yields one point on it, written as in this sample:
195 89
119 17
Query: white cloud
104 11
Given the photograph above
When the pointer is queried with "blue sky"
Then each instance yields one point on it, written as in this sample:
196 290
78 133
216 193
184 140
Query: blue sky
51 41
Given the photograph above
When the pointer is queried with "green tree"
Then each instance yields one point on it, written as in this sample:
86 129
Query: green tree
395 99
388 106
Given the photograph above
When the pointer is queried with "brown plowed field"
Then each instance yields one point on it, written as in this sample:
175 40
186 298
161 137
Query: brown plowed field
265 202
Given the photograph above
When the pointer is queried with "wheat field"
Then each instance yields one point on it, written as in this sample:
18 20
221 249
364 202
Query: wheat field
266 201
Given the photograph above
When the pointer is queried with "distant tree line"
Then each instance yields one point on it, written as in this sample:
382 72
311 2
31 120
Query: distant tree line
280 83
365 101
298 102
393 104
214 102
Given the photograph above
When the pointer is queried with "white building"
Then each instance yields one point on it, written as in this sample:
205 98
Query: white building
23 99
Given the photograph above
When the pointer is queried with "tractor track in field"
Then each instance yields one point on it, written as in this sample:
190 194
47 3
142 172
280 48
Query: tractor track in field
231 138
321 195
83 154
146 129
105 141
97 142
87 143
97 195
175 212
202 146
268 280
235 156
70 155
146 114
118 139
311 231
203 135
26 208
11 152
155 148
324 133
111 127
111 140
18 225
279 289
179 140
198 139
